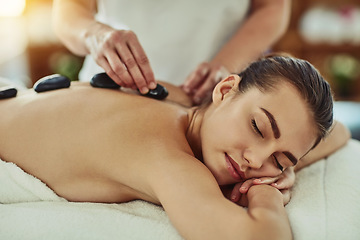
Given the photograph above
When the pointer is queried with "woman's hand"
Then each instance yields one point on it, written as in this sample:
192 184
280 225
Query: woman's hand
203 79
121 55
283 182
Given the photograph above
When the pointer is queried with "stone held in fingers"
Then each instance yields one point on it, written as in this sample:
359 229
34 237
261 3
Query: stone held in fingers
159 93
7 92
51 82
102 80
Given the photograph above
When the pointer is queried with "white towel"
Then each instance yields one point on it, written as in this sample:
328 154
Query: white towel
18 186
325 198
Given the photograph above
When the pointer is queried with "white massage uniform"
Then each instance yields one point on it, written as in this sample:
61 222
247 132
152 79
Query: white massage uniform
176 35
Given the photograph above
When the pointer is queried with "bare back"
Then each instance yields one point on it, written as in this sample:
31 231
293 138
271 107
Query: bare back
91 144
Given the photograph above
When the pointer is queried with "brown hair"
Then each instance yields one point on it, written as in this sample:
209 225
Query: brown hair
267 72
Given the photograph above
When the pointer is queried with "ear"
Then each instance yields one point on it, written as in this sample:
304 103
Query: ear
225 88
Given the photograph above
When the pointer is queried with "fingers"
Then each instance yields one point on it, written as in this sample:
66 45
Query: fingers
196 78
286 179
118 72
286 196
206 87
246 185
283 181
235 194
134 58
122 57
202 81
265 180
239 191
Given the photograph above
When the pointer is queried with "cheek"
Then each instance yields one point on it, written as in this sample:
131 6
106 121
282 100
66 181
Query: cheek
227 130
216 128
227 134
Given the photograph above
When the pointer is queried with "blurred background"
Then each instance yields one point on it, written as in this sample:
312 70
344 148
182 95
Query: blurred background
29 48
325 32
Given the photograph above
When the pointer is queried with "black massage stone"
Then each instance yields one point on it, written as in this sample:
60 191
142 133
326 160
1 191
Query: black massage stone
102 80
159 93
52 82
7 92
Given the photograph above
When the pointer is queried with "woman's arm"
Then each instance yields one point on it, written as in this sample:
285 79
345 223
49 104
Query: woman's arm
337 138
195 205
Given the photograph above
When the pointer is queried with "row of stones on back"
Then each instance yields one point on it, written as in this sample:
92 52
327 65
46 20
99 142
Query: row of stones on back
57 81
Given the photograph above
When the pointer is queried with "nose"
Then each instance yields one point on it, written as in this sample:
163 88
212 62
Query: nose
257 158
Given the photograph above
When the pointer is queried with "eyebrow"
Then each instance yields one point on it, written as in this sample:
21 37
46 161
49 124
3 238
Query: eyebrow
291 157
273 123
277 134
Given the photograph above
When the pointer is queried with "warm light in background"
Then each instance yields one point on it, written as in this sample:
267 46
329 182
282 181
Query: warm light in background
11 8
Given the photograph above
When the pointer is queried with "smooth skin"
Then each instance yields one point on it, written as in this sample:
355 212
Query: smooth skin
120 54
101 145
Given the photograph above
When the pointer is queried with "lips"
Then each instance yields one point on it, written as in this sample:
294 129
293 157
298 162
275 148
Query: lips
234 169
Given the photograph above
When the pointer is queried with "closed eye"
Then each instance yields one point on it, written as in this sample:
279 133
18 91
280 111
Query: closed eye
256 129
278 164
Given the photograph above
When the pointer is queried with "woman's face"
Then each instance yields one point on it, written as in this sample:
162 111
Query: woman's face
255 134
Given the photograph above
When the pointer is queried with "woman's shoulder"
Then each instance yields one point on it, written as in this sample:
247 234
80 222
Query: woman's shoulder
177 95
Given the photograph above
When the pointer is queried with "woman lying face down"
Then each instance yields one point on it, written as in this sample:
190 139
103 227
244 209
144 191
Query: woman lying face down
104 145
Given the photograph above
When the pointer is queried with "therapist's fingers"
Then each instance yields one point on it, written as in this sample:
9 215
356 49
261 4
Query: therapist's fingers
206 87
118 71
102 49
130 64
103 62
196 78
127 42
122 57
142 61
216 73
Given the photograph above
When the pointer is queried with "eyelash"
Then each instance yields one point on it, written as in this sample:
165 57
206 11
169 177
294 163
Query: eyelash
255 127
278 164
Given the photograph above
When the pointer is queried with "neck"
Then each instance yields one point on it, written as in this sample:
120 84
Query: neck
193 135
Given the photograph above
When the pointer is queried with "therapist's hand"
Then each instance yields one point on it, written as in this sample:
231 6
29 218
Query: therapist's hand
203 79
121 55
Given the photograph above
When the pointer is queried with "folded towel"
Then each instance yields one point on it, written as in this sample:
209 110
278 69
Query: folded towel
18 186
136 220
